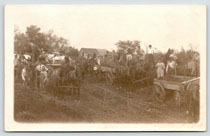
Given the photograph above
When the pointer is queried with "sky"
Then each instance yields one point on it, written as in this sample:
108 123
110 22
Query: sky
101 26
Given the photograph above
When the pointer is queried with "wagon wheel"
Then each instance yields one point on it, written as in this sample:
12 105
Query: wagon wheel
159 92
109 78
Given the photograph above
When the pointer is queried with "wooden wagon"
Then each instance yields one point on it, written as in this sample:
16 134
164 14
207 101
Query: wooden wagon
64 87
179 84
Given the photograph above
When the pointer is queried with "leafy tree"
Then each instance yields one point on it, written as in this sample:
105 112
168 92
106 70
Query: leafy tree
21 43
33 41
127 46
36 37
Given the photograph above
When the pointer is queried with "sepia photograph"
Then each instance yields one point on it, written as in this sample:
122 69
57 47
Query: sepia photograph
105 68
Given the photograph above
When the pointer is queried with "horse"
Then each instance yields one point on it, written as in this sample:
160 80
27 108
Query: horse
193 101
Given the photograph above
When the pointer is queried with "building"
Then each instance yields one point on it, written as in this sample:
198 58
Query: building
90 52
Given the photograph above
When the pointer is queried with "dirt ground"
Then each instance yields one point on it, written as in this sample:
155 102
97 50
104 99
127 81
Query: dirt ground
98 103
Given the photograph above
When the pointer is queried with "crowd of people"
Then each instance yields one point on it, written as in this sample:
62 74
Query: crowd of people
36 73
128 66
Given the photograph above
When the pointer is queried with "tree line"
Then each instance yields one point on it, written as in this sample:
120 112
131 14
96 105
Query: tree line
33 41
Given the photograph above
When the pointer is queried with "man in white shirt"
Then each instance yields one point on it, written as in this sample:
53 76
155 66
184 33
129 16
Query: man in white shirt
23 74
40 67
150 54
171 67
98 60
38 70
150 50
43 77
129 57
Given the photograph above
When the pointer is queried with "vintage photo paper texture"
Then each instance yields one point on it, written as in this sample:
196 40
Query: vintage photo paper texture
105 68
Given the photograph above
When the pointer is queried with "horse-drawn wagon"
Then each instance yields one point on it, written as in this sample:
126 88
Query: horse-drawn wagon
186 90
181 85
66 80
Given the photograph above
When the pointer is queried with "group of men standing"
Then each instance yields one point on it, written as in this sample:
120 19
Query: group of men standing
168 64
33 74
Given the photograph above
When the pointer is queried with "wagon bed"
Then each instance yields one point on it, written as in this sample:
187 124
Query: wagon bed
175 82
178 84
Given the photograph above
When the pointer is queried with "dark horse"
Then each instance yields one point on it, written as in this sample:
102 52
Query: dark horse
70 79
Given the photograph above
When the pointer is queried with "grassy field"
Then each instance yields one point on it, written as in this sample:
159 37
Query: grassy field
98 102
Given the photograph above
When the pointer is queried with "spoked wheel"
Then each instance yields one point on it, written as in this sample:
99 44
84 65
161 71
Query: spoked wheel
159 93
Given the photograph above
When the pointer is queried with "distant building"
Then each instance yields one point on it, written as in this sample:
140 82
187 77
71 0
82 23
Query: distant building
90 52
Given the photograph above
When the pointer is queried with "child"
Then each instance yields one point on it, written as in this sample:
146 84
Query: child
44 77
160 69
23 76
